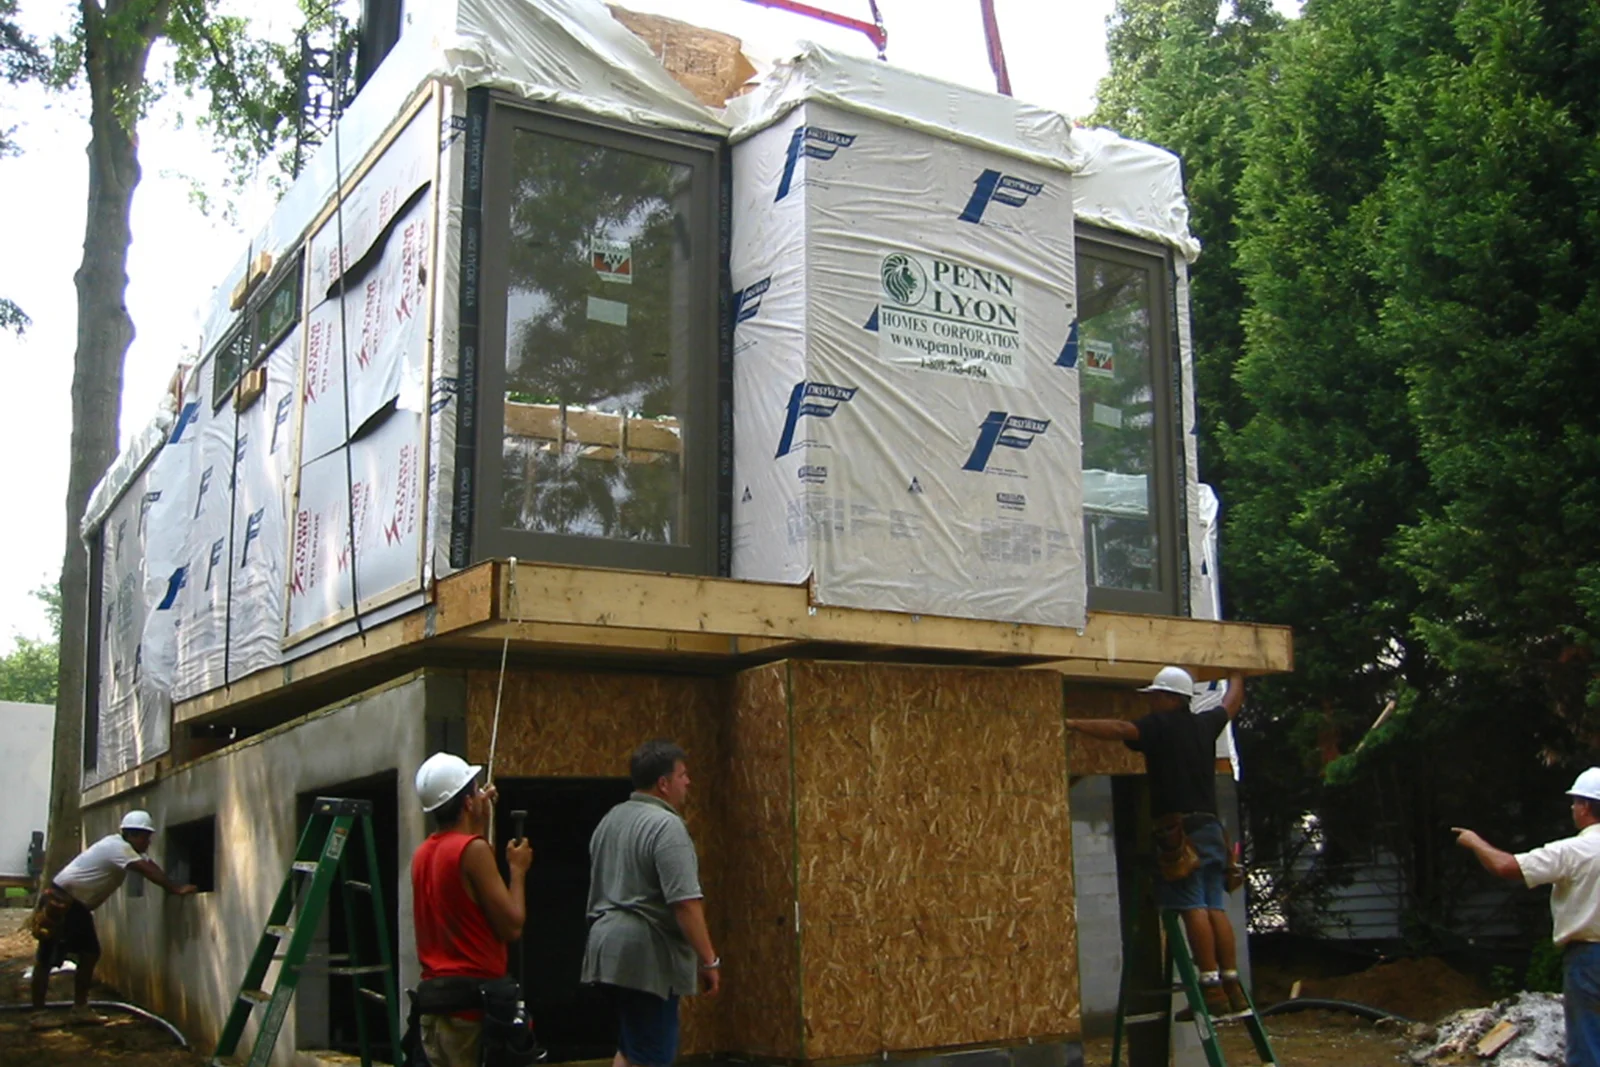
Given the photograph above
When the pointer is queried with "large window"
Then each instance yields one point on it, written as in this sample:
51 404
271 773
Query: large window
599 344
1130 470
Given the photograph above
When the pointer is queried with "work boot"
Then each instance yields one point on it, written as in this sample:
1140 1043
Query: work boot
1234 988
1215 999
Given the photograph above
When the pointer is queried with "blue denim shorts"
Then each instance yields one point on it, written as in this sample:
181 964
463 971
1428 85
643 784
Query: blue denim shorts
1205 887
647 1026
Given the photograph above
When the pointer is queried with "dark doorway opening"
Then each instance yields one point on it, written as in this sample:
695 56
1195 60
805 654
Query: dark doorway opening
573 1021
326 1018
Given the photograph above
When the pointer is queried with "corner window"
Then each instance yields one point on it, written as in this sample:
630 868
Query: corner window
598 362
1129 415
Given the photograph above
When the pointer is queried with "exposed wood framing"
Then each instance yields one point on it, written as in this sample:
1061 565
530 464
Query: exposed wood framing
568 611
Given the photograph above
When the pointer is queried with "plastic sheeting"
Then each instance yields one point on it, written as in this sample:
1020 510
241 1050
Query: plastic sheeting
905 396
385 492
1131 187
953 113
571 53
134 720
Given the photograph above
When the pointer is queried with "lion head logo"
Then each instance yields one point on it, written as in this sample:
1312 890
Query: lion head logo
903 279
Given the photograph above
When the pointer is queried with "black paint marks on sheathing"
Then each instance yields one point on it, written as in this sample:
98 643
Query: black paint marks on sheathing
470 314
724 490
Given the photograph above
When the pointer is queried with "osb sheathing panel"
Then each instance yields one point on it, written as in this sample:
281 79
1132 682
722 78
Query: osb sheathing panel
1089 755
935 857
572 724
760 1009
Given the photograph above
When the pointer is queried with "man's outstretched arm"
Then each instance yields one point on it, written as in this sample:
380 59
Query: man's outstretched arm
1105 729
1498 863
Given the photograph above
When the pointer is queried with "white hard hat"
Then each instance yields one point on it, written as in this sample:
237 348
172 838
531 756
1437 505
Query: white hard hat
1587 786
441 777
138 820
1172 680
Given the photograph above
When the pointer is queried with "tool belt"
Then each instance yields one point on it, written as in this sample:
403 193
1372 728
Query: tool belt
1176 858
47 923
507 1039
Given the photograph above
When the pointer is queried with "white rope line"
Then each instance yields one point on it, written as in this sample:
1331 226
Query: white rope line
505 646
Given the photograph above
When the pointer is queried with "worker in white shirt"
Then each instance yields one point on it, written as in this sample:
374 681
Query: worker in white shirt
64 920
1571 867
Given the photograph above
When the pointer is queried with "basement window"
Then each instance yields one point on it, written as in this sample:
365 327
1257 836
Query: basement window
191 853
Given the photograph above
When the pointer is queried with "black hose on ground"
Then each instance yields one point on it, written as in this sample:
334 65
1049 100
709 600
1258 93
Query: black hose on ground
114 1005
1365 1011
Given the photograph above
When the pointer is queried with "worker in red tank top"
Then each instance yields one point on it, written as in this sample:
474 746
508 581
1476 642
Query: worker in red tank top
464 912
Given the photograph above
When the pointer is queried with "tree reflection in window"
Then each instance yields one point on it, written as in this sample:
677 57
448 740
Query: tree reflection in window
597 313
1119 433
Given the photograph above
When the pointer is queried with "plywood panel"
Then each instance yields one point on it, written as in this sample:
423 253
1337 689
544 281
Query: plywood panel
935 869
761 997
585 724
1089 755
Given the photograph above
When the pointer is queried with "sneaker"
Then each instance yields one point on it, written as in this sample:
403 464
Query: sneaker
83 1015
45 1019
1234 988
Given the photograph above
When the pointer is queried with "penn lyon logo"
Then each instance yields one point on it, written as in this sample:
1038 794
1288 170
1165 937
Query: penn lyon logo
950 317
811 142
1001 429
817 399
992 187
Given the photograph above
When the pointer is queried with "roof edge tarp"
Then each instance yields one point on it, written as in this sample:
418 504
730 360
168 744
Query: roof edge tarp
1131 187
571 53
128 465
949 111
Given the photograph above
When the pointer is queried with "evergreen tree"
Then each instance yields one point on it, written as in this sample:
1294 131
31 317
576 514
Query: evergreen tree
1179 78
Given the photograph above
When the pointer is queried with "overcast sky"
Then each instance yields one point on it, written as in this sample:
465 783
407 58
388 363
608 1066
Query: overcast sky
1056 54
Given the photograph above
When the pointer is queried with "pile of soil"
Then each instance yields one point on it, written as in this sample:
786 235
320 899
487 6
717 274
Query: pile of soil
1422 989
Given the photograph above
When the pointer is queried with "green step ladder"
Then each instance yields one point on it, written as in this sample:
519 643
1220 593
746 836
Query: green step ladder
323 859
1188 982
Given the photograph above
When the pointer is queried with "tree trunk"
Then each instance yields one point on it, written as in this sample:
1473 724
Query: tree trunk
115 63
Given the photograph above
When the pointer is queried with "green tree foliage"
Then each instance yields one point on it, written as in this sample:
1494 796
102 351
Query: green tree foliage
1180 72
28 671
248 96
1491 265
20 60
1410 437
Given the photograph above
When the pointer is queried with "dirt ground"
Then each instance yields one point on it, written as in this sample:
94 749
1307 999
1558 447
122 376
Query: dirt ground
1422 989
124 1040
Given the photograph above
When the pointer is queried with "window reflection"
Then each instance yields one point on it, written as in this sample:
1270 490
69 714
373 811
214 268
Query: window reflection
597 327
1119 432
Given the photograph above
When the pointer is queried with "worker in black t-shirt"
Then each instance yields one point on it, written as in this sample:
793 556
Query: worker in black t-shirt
1179 750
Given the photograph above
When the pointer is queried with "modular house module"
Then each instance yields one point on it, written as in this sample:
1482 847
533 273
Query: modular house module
843 433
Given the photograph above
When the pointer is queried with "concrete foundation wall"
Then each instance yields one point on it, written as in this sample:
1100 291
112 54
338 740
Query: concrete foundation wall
185 957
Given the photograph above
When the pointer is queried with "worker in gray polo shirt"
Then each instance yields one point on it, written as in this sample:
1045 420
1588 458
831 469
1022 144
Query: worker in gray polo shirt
648 942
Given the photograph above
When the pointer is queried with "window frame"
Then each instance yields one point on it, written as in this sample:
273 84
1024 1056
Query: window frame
1168 496
697 553
246 323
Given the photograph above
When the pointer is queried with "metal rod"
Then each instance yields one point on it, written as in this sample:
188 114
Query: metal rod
875 32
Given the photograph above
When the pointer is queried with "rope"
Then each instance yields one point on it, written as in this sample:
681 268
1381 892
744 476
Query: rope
505 646
344 330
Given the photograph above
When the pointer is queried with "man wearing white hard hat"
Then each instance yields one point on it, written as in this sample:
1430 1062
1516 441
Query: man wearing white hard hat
465 1009
1571 867
1179 748
64 920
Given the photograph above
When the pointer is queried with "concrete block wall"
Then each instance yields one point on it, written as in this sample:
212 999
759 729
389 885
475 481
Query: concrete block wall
202 944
